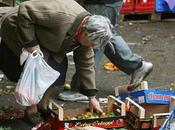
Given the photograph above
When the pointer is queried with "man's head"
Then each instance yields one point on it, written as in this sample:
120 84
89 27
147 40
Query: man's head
97 31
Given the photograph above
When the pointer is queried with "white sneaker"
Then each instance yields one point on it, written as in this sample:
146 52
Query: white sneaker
141 73
72 96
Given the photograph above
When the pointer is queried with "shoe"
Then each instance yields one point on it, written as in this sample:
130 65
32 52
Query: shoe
72 96
32 119
140 74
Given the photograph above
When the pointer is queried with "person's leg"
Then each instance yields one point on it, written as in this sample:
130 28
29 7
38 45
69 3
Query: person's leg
114 17
110 11
123 57
126 61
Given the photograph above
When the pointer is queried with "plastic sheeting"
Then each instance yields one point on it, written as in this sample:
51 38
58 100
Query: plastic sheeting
171 4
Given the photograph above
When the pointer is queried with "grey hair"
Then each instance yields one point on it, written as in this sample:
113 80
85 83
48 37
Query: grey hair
99 30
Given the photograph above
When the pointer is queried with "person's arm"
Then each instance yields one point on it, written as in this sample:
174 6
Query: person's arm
84 61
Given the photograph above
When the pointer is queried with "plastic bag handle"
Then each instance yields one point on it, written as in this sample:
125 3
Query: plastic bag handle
36 53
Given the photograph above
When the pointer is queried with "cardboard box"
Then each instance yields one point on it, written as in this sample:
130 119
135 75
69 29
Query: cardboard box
147 116
58 122
149 96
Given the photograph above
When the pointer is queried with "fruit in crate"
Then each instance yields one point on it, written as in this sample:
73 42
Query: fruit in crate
89 115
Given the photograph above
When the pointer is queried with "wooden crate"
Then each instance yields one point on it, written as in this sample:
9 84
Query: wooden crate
147 116
57 120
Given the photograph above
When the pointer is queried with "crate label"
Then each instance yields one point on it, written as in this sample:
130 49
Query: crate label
120 122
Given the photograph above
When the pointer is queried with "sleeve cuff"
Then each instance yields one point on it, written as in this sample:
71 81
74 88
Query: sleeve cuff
32 43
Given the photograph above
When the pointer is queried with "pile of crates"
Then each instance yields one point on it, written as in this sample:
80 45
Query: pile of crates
145 6
129 115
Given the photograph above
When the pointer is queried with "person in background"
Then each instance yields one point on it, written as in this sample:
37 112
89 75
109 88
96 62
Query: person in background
55 29
118 52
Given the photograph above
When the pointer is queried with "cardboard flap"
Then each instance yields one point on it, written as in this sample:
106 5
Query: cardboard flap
114 104
135 108
56 108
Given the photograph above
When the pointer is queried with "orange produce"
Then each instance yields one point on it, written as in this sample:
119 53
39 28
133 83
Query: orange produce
110 67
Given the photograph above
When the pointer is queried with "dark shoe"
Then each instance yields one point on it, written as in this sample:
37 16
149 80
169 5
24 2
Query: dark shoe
72 96
33 119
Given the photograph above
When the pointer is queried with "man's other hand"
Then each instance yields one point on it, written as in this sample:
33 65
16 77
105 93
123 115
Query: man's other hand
94 105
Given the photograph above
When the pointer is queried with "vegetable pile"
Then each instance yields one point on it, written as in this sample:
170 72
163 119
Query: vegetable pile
89 115
9 112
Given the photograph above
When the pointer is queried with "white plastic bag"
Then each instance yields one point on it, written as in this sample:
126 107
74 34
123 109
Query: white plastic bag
35 79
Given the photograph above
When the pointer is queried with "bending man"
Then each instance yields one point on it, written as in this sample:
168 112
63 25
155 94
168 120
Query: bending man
56 29
118 52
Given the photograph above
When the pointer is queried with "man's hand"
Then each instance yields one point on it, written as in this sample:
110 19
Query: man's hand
31 49
94 105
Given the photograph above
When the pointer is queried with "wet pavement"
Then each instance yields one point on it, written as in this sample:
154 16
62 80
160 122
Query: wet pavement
154 41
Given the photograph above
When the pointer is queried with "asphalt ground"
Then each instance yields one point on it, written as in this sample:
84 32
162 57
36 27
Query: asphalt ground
154 41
